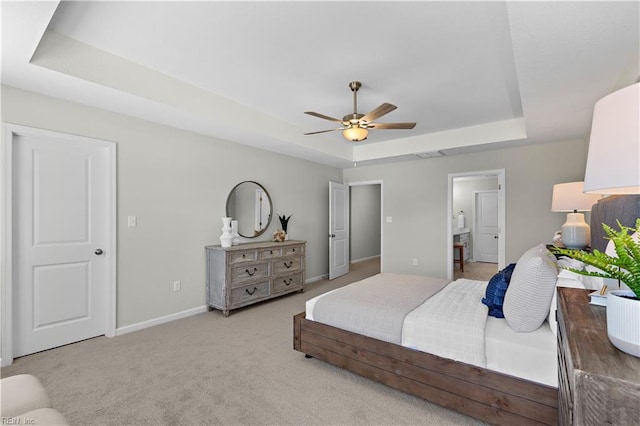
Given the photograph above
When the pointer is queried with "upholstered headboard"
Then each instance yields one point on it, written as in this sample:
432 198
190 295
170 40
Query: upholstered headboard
625 208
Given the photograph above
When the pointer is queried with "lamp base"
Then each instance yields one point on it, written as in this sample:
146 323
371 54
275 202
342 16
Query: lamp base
576 234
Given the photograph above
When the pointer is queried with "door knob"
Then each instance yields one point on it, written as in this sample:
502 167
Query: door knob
332 235
495 236
98 252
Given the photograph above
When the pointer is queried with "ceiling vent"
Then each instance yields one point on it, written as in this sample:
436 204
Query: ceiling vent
429 154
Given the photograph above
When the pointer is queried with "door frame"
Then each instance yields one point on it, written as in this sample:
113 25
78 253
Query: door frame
502 205
475 217
381 183
9 133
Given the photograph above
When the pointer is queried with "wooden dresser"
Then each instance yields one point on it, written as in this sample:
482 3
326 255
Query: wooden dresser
249 273
598 384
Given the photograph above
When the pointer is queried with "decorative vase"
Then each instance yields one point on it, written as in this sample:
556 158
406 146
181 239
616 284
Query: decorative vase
226 239
576 234
623 321
234 232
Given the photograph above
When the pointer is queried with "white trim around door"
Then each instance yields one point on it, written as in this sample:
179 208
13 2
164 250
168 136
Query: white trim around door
11 132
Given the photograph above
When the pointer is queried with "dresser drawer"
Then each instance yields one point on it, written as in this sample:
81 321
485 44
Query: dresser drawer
248 293
242 256
254 271
286 282
286 265
270 253
288 251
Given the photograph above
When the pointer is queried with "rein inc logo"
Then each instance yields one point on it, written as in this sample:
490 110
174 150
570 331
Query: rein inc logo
17 421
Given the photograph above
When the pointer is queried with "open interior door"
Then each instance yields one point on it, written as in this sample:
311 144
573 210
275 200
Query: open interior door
338 229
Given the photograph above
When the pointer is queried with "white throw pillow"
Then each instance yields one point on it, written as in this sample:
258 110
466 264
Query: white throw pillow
528 299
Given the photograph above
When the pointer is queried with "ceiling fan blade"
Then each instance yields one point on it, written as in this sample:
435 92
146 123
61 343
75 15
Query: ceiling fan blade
391 125
378 112
324 131
326 117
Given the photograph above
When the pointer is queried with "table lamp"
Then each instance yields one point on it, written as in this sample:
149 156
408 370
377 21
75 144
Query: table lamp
568 197
613 161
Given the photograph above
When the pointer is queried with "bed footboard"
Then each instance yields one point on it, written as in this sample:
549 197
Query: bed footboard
486 395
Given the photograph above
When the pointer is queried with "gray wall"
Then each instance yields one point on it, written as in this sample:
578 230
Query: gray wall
177 183
365 221
415 195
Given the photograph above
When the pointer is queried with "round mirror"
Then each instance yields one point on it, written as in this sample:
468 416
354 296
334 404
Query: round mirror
250 204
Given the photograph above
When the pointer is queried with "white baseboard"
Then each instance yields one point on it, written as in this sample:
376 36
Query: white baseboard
161 320
364 259
314 279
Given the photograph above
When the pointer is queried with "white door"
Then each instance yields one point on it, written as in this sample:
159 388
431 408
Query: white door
338 229
486 232
61 240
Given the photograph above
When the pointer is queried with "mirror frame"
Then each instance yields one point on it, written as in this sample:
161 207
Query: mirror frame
257 234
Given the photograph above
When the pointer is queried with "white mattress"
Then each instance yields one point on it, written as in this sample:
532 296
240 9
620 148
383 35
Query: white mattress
531 356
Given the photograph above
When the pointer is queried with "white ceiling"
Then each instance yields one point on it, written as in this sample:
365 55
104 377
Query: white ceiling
473 75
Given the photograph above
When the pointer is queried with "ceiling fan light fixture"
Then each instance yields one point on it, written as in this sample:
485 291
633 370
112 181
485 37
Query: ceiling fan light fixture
356 126
355 134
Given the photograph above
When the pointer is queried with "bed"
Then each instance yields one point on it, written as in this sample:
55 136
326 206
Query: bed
480 392
498 390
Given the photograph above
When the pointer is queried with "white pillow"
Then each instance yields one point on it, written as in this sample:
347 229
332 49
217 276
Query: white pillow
528 298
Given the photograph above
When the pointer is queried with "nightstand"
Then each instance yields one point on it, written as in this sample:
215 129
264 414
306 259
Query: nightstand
597 384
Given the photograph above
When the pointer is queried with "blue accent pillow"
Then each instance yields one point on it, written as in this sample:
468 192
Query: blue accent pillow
496 289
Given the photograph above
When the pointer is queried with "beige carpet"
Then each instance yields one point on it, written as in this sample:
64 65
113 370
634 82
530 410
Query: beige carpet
207 369
480 271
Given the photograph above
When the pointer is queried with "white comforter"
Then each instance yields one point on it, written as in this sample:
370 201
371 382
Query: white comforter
450 324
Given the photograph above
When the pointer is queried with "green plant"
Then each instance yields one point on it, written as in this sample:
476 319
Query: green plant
284 221
625 267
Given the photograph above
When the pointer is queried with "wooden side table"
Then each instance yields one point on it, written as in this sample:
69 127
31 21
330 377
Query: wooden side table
460 248
598 384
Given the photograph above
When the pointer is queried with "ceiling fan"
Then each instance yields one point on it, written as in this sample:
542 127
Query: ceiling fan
355 127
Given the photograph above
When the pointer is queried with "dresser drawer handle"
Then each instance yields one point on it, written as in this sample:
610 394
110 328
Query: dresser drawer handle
244 255
251 273
289 265
288 283
271 252
250 293
293 250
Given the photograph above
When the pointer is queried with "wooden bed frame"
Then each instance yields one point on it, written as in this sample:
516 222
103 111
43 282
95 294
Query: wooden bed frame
486 395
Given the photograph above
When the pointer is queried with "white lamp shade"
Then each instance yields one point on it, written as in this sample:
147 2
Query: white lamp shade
613 161
568 197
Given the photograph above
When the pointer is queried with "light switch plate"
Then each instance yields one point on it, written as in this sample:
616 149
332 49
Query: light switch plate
132 221
389 219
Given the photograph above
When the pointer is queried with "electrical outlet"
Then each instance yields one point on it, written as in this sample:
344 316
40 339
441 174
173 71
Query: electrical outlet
415 262
177 286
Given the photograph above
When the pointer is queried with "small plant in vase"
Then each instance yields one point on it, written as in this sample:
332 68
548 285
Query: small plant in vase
623 307
284 222
281 234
